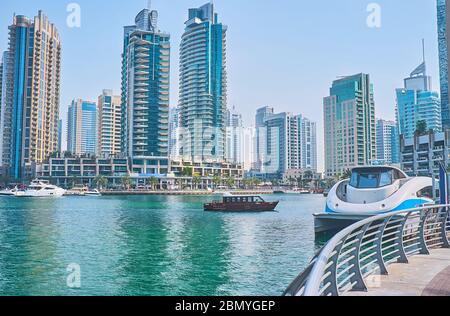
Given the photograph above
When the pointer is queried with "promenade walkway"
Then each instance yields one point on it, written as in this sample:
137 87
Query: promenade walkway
423 276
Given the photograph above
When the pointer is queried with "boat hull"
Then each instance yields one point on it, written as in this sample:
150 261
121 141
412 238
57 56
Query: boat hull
241 207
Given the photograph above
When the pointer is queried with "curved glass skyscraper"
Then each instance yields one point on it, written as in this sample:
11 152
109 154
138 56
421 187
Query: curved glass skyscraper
443 18
203 86
145 95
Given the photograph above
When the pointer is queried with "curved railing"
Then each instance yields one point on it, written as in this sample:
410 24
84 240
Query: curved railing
369 246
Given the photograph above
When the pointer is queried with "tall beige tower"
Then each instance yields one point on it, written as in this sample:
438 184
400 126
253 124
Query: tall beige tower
30 109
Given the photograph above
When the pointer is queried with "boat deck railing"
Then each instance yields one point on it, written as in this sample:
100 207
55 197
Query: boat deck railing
368 247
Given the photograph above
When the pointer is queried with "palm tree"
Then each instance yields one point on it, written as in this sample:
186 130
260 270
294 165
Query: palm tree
154 182
216 181
247 182
100 181
74 181
126 182
188 171
230 182
256 182
346 175
196 180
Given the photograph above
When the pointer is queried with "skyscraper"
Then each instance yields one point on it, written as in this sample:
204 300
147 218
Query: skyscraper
248 148
203 86
349 120
234 137
174 131
5 118
443 12
416 102
308 141
388 142
109 124
60 130
30 111
290 144
82 127
261 136
145 94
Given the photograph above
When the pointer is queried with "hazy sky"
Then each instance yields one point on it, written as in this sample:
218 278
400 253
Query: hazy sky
282 53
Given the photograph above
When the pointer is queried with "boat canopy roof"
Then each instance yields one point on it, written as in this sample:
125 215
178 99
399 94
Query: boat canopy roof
242 198
375 177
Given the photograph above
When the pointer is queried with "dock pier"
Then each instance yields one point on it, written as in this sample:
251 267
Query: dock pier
400 253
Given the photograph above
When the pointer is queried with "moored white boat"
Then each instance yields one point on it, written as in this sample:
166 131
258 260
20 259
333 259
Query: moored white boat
42 188
12 192
82 191
378 190
94 192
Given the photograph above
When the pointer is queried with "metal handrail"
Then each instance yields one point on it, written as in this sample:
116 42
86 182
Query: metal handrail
370 245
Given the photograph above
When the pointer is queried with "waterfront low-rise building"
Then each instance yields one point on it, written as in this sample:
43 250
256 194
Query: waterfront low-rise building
421 155
69 171
297 176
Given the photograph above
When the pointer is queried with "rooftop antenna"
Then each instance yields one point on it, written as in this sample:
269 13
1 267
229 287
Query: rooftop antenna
149 5
423 55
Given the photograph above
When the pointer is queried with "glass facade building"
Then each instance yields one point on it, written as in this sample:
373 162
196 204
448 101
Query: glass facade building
416 102
290 144
203 86
82 127
388 142
443 17
260 136
30 108
145 94
349 120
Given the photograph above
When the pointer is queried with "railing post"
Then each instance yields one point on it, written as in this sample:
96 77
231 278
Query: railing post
446 213
332 278
423 243
360 285
379 249
401 248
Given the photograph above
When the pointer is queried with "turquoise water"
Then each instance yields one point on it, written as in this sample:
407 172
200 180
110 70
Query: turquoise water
152 245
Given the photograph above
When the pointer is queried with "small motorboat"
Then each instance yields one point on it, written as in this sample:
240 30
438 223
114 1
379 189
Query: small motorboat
76 191
82 191
243 203
94 192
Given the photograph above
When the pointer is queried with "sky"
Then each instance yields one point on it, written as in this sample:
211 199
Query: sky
281 53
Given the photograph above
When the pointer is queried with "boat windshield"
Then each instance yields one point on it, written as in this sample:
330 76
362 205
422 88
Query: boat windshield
371 178
243 199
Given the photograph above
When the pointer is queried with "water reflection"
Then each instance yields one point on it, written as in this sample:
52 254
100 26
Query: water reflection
153 246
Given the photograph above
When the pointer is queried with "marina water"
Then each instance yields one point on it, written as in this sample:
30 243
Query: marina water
153 245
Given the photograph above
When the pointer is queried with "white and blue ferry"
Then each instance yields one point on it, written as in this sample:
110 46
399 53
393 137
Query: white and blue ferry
371 191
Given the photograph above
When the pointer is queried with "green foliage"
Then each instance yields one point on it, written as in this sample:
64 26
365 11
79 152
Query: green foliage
101 182
421 128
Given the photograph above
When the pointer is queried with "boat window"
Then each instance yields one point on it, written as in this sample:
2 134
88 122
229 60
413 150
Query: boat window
426 193
368 179
386 179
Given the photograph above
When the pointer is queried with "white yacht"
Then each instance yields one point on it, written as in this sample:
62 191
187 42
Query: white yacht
12 192
42 188
378 190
